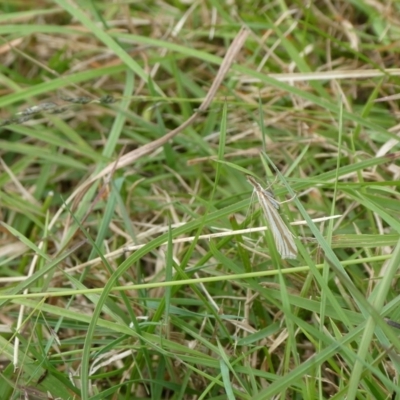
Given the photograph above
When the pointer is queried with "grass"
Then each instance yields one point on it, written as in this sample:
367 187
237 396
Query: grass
132 263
